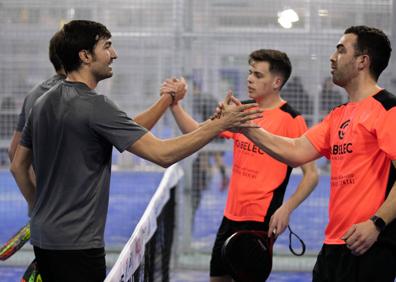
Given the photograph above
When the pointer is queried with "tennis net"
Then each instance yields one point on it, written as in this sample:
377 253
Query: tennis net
147 254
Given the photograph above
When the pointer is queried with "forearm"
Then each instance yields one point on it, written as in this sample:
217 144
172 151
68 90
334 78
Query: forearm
184 121
16 138
305 187
150 117
291 151
169 151
387 211
24 181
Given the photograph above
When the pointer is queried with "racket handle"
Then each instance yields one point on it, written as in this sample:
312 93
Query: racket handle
249 101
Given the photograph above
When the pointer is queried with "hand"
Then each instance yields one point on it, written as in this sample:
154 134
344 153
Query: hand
360 237
177 86
238 115
279 221
221 105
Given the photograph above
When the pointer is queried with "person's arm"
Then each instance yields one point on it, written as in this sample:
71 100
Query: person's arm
183 119
167 152
16 138
360 237
149 117
280 219
20 167
292 151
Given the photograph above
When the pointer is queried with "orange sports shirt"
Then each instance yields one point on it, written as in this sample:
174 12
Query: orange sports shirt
360 141
258 181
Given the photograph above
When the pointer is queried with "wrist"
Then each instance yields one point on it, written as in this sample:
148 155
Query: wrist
173 97
378 222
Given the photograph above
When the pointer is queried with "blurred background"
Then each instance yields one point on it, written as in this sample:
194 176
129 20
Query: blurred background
207 42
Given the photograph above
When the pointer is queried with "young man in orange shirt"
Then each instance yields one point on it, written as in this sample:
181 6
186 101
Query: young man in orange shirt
359 139
258 182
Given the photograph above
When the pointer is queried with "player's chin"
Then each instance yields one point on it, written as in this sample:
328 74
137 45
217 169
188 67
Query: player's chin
108 74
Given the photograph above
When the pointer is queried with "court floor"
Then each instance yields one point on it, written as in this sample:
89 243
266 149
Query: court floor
130 194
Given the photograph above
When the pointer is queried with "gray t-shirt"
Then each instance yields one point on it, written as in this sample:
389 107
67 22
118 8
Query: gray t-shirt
71 131
33 95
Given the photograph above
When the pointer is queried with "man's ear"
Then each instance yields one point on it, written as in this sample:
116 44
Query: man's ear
85 56
277 84
364 62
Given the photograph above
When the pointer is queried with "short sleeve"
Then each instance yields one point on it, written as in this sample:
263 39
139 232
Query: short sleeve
319 136
26 139
114 125
298 128
385 128
21 118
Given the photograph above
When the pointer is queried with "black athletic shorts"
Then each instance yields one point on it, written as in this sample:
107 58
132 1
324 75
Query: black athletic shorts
226 229
71 265
335 263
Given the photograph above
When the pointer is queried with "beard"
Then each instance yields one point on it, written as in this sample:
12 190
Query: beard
102 74
339 80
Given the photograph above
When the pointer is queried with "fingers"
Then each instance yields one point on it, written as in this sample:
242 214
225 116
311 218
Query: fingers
235 101
227 99
349 233
247 124
248 106
177 86
358 240
272 227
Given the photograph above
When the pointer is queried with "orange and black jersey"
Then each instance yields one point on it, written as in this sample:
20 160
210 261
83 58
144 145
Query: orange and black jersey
359 139
258 181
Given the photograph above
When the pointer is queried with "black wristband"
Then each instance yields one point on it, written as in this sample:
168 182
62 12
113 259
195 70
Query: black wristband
378 222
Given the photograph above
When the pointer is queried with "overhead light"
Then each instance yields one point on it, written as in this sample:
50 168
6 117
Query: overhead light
323 12
287 17
285 23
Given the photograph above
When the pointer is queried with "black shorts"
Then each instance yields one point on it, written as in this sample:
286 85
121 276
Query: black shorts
226 229
335 263
71 265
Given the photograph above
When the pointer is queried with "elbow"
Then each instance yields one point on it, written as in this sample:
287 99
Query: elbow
312 173
166 165
11 153
293 164
14 169
165 161
316 176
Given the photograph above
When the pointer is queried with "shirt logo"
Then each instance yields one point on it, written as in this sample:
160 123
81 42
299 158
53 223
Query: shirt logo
341 131
343 148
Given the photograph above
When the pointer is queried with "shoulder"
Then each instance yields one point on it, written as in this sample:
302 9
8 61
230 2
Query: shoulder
103 101
289 110
386 99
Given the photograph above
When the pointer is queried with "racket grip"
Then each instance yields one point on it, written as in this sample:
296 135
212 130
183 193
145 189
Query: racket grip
248 101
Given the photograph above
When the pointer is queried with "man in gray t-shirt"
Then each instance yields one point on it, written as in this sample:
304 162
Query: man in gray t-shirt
36 92
69 137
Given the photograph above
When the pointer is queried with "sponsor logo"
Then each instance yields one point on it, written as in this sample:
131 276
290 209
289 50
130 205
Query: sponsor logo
344 148
247 146
341 149
341 131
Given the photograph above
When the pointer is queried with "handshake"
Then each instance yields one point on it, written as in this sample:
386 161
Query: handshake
231 113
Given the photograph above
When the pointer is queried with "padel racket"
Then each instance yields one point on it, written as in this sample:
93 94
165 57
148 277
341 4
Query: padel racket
248 255
15 243
32 274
